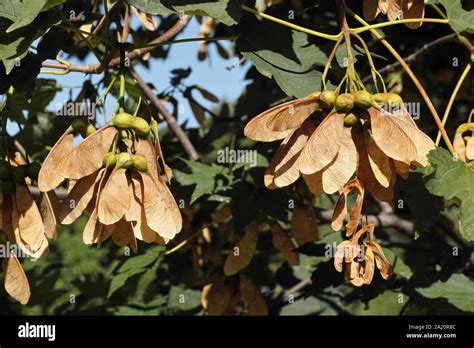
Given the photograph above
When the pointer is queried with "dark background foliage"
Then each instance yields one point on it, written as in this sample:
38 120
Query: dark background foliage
433 262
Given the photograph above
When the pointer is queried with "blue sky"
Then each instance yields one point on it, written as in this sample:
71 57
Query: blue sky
211 74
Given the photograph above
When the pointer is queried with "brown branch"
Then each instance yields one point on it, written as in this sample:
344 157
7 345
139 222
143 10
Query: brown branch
412 57
172 123
139 52
60 192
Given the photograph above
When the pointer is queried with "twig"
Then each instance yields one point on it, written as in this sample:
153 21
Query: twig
172 123
97 68
412 57
384 219
236 64
452 98
297 287
61 192
413 77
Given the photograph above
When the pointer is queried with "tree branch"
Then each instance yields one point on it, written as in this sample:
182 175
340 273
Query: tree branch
385 218
172 123
139 52
415 55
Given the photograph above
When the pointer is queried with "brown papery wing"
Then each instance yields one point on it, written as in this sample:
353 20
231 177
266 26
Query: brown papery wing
391 135
161 211
414 9
338 173
88 156
243 252
49 177
29 223
77 200
285 160
146 149
16 283
323 145
49 205
370 9
258 130
293 115
256 304
379 162
282 242
115 198
422 142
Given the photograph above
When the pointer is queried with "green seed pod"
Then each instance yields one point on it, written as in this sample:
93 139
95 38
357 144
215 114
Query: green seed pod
379 97
141 127
315 94
388 98
393 99
123 121
124 160
363 99
8 186
110 159
154 126
328 98
19 173
344 102
140 163
5 170
32 170
79 125
123 134
350 120
90 130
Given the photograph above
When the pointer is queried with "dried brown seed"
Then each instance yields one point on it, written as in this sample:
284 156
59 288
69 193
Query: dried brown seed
48 177
216 296
30 229
339 172
16 283
115 198
283 169
282 242
243 252
77 200
323 145
257 129
161 211
87 157
49 205
304 226
256 304
294 114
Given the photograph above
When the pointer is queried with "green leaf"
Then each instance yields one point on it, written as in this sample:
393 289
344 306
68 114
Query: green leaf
458 290
133 266
183 300
308 306
281 53
387 303
400 268
20 12
52 3
454 179
227 11
15 46
425 207
203 176
459 19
